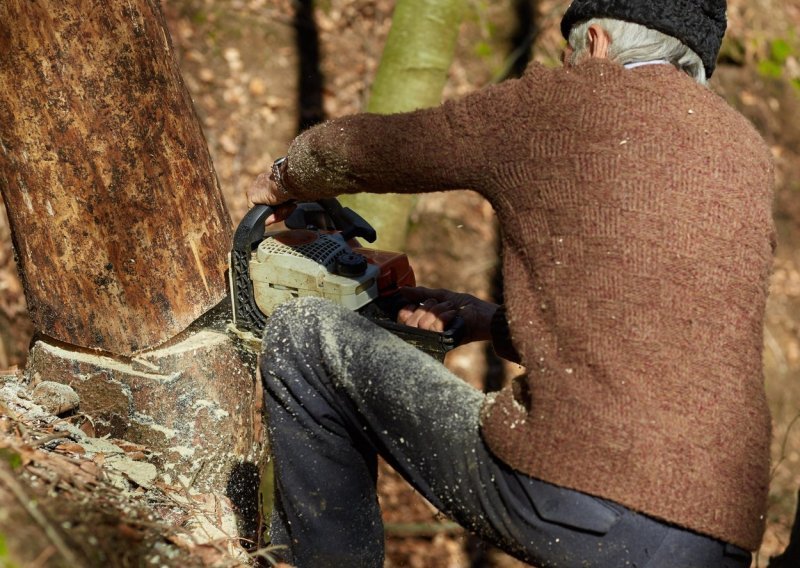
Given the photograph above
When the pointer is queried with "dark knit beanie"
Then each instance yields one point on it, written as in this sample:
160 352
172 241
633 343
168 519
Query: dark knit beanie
699 24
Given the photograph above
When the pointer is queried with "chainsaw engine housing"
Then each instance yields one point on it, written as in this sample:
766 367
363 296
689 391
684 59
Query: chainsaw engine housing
323 259
300 262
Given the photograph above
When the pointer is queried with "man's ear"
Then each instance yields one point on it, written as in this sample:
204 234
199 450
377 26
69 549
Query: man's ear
599 42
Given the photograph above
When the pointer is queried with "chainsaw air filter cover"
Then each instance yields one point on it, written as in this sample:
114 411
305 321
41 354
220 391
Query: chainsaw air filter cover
300 262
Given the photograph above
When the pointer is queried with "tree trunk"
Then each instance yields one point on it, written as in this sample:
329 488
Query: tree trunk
411 75
122 241
117 218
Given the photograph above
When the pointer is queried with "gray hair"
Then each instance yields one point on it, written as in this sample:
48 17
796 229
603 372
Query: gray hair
633 43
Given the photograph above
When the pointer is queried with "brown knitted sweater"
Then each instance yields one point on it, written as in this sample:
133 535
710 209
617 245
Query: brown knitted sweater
635 210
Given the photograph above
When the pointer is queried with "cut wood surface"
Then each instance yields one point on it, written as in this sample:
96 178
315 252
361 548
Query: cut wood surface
117 217
195 404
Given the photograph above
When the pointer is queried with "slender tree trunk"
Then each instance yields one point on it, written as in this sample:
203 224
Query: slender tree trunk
418 53
411 75
117 219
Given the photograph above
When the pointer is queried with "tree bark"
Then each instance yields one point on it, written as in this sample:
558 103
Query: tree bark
411 75
122 241
118 222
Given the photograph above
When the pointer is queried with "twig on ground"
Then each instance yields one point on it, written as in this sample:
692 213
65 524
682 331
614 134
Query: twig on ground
49 438
265 554
194 476
783 447
43 557
55 538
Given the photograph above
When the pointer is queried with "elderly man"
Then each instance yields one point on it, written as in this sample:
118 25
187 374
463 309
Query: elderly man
635 212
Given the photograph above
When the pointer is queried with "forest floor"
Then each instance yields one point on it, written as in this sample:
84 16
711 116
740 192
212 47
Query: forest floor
240 61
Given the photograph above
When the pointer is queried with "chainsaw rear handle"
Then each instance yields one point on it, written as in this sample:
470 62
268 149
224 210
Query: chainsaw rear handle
436 343
350 223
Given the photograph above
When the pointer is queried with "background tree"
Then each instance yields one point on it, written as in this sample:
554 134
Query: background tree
411 75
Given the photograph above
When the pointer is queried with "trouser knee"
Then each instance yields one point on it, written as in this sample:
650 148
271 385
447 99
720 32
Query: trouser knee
293 334
299 316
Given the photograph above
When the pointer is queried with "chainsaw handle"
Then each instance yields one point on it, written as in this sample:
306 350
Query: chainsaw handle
251 227
350 223
444 341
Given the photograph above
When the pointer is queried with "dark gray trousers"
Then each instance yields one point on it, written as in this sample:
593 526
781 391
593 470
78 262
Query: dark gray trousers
340 391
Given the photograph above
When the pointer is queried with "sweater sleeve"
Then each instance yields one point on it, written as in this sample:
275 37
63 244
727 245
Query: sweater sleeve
401 153
425 150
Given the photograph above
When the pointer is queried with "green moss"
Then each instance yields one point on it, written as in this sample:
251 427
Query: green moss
11 457
770 68
5 561
483 49
779 52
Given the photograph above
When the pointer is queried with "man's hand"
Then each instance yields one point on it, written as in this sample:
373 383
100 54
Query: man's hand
265 190
434 310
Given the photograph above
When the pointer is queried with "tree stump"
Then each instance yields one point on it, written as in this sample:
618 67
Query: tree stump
202 431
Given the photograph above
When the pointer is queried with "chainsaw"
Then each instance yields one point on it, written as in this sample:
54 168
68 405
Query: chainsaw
318 254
